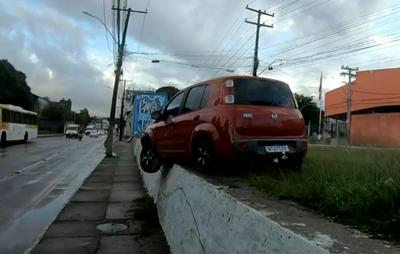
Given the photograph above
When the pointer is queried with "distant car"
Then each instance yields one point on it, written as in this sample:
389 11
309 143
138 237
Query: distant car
232 118
72 131
88 129
93 133
102 132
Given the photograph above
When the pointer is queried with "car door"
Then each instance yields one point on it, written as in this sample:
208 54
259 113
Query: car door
165 131
191 116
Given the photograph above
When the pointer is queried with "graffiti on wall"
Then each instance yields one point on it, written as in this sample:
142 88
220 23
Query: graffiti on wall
144 105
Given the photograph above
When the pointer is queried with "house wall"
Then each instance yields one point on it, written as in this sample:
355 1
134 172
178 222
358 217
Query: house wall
376 129
371 89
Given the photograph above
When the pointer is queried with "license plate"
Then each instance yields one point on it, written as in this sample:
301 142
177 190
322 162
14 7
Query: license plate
277 149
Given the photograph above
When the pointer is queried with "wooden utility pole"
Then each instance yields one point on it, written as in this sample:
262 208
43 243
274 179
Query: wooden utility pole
350 75
121 49
258 24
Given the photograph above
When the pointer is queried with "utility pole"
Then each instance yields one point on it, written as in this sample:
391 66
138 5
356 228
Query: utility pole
121 48
320 106
121 116
258 24
350 75
118 21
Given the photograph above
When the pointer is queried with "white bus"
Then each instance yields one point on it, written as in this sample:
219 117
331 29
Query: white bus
17 123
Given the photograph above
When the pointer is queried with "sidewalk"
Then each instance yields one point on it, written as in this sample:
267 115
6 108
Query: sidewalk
112 197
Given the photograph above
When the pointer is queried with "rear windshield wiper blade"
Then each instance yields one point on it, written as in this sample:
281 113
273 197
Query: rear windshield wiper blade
263 103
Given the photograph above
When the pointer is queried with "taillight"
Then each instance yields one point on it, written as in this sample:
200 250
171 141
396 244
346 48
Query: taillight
228 92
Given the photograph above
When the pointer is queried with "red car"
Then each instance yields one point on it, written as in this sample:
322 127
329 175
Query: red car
227 119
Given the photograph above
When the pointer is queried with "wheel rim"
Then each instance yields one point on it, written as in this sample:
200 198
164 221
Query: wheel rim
203 157
149 159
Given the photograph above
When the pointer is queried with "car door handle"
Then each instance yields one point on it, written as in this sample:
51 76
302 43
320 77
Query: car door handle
196 118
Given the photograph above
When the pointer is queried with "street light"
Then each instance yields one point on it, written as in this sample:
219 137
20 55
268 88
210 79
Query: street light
104 24
193 65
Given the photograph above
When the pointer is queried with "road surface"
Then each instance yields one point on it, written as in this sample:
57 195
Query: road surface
36 180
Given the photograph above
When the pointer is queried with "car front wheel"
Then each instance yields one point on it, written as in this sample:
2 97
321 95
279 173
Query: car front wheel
149 161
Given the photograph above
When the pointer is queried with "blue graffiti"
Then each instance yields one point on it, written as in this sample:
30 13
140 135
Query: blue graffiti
144 105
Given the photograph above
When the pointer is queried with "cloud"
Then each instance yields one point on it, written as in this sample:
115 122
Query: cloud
64 52
50 49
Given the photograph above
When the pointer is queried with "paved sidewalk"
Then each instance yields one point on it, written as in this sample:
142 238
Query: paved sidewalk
112 195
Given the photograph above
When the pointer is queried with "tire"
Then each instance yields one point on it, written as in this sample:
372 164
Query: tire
3 139
202 155
149 161
26 137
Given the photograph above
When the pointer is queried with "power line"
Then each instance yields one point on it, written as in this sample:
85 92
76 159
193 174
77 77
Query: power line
350 74
325 54
298 12
349 24
105 22
216 61
140 35
244 44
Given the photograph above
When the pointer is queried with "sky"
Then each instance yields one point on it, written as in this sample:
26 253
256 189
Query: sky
67 54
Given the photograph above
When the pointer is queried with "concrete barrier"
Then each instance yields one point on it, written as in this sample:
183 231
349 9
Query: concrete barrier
197 217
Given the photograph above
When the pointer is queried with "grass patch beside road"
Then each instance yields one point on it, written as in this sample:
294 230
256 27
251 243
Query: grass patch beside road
360 187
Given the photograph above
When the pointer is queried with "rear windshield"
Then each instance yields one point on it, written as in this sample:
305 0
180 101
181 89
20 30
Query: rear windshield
263 93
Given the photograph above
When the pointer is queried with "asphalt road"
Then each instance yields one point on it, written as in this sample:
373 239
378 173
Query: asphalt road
36 180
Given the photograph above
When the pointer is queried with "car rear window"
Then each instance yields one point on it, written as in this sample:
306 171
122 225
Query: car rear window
263 93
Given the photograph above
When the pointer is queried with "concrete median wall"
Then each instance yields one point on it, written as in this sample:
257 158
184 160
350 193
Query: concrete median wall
197 217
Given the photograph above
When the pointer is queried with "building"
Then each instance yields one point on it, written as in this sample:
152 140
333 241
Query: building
375 107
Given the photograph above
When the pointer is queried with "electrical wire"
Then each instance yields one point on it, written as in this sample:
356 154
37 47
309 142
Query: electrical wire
341 27
138 46
244 44
105 22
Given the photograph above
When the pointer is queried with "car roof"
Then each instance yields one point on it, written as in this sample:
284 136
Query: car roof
235 77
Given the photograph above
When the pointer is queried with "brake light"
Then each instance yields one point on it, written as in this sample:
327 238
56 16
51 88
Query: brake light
228 92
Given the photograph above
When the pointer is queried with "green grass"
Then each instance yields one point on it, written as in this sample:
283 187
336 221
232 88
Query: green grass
360 187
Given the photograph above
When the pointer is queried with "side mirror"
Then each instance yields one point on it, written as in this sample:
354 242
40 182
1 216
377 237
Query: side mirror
156 115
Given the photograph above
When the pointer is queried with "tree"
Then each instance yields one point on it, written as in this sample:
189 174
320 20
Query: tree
170 90
54 112
13 87
308 108
83 118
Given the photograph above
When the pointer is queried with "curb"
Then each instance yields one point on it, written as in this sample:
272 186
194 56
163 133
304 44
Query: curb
198 217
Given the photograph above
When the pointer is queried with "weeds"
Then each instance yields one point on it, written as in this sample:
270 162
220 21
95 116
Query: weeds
360 187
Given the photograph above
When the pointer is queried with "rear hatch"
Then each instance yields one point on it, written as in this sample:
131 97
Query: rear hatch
266 109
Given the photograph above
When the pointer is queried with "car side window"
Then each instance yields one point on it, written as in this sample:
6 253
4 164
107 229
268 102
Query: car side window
173 107
206 92
193 100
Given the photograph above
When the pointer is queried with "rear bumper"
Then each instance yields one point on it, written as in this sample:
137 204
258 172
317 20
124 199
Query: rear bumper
297 147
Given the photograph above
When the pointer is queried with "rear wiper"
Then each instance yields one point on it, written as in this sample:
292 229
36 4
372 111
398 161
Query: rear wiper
263 103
